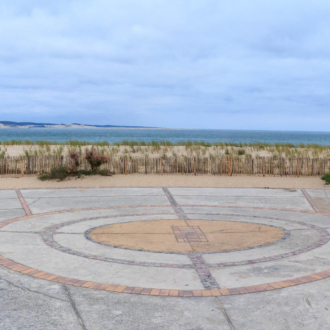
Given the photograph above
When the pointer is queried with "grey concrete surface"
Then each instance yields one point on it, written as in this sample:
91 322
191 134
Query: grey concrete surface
30 303
105 192
11 214
304 307
41 205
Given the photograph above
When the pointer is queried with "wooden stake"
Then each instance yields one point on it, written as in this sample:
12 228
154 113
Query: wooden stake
161 166
231 167
263 166
195 161
298 167
22 167
125 165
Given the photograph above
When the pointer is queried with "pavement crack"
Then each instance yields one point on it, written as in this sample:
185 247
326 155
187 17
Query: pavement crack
80 320
33 291
34 201
230 323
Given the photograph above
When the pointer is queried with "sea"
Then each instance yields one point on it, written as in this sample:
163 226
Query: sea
173 135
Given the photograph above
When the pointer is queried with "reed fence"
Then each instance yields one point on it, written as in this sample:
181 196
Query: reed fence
34 165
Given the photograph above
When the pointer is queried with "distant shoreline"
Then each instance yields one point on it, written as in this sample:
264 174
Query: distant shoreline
91 127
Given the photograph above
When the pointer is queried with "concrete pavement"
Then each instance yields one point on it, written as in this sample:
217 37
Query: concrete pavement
52 276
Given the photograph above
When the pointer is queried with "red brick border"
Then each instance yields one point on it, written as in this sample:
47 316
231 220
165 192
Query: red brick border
160 292
150 291
22 200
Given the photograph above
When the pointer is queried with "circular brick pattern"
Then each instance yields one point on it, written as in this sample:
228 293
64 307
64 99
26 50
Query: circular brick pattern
25 269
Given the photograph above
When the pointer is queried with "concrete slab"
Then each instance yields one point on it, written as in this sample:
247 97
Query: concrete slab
5 194
317 193
11 214
304 307
57 204
120 311
104 192
263 273
236 192
323 204
26 303
296 203
10 203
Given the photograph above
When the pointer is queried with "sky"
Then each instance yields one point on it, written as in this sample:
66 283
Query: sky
211 64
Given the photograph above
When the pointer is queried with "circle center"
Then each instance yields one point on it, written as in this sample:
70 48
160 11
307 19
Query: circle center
186 236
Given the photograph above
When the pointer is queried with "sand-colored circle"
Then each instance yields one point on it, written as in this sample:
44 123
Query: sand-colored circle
186 236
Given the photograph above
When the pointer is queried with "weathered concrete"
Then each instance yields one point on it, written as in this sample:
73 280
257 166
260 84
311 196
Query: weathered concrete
305 307
31 303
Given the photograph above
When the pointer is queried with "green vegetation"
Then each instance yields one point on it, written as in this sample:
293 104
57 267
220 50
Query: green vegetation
63 172
57 173
187 143
93 157
326 178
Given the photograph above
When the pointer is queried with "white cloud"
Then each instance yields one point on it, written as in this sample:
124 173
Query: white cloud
209 64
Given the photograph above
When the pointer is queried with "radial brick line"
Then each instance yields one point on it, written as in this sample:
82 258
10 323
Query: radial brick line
203 271
178 210
23 202
311 202
201 267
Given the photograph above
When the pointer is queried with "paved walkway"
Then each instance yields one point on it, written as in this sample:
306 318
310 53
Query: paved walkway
226 258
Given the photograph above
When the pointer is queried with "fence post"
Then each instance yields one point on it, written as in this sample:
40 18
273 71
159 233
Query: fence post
298 167
161 165
263 166
230 166
125 165
22 167
195 161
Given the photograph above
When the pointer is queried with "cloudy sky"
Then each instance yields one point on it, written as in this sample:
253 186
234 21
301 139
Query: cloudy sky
227 64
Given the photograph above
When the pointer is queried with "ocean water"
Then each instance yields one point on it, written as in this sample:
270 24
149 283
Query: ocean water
173 135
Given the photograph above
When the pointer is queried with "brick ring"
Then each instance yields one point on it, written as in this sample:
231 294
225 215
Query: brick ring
149 291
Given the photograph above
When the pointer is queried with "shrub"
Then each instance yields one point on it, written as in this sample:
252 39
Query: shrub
326 178
73 167
95 159
56 173
240 152
104 172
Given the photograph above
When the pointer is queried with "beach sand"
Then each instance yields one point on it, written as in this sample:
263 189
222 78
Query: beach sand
141 180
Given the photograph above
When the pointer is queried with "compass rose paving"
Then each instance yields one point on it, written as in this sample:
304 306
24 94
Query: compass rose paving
166 250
